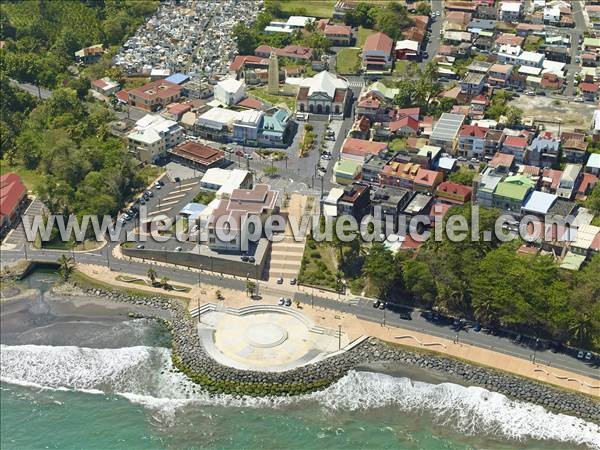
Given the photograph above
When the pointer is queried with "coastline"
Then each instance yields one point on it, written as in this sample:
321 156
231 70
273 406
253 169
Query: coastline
373 355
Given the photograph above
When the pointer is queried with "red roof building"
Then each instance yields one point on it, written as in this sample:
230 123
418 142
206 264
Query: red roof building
198 154
454 192
405 126
378 52
357 149
427 180
12 194
154 95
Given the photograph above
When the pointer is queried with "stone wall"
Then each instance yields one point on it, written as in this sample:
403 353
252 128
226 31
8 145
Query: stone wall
190 358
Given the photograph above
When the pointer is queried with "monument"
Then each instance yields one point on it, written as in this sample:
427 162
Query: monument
273 86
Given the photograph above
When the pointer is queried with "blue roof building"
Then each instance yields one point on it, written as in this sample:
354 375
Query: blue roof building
178 78
275 127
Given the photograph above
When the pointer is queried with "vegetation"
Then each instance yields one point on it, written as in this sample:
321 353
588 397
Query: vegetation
397 144
318 266
391 18
152 274
593 200
362 35
463 176
43 36
287 100
66 265
348 61
204 197
286 8
499 107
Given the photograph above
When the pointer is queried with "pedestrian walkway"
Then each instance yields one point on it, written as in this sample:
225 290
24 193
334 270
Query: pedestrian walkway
17 237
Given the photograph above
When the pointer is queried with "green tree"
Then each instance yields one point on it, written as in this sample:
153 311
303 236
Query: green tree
381 269
152 274
463 176
245 39
419 281
66 266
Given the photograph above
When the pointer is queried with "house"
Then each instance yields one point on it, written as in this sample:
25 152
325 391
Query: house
229 216
377 54
372 167
358 149
484 185
509 39
454 193
427 180
515 55
355 201
324 93
586 240
89 55
551 82
538 204
224 181
478 106
407 49
276 128
510 11
246 126
569 181
154 95
13 196
593 164
445 132
105 86
574 150
511 193
550 180
152 136
216 124
493 142
419 205
340 35
230 91
390 202
502 162
159 74
346 171
198 156
405 126
456 20
427 156
396 174
544 150
472 83
499 74
240 63
471 141
329 203
175 111
589 91
516 145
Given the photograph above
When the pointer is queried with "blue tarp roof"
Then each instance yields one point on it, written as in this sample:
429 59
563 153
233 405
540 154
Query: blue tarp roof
178 78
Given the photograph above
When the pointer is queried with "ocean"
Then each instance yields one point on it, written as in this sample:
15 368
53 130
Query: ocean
100 381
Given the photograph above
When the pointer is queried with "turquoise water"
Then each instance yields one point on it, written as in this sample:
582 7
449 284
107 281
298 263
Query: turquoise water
108 383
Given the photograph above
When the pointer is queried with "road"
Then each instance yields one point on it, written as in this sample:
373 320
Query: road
362 308
40 92
435 38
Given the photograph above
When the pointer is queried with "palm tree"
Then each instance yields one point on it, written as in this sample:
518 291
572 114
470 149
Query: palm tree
152 274
66 267
164 281
580 327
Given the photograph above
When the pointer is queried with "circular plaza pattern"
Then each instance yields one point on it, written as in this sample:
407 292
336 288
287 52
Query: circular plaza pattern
266 338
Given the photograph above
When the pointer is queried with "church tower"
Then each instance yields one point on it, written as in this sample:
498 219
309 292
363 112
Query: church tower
273 87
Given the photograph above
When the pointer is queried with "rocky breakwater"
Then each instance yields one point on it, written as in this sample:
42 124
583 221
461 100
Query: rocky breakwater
190 358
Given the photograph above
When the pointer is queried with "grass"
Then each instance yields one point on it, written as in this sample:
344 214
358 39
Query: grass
204 197
150 173
362 35
276 155
318 265
348 61
58 244
315 8
31 178
288 100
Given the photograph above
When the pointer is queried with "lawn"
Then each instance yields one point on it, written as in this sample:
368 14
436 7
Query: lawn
31 178
362 35
315 8
318 267
348 61
288 100
204 197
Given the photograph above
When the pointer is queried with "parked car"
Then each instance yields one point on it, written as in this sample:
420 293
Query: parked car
178 249
580 354
239 153
281 301
279 280
150 193
477 327
579 99
293 281
474 160
142 201
244 258
326 157
588 356
382 305
140 246
288 302
251 259
376 304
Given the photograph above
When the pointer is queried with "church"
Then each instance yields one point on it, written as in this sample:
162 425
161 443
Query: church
324 93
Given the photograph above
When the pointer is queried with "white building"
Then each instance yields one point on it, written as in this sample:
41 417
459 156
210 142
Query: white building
217 119
152 136
510 11
224 181
552 14
230 91
514 54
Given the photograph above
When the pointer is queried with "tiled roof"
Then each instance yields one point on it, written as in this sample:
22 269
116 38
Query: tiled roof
359 147
12 190
502 160
515 141
473 131
379 42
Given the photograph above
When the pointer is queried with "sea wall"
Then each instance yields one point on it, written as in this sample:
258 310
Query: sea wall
190 358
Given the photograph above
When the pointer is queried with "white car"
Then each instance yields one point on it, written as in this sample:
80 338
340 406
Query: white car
326 157
579 99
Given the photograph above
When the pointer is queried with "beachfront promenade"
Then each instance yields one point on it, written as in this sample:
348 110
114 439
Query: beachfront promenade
354 327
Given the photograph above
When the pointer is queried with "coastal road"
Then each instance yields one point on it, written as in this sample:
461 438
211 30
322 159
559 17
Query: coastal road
362 308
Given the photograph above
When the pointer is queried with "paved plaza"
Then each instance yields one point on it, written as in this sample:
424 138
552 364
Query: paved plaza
267 338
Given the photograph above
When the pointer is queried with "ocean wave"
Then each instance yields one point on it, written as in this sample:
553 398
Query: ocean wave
145 376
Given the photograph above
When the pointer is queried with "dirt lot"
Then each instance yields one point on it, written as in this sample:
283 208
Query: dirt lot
549 111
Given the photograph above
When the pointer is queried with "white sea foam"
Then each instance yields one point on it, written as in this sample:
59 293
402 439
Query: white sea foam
143 375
